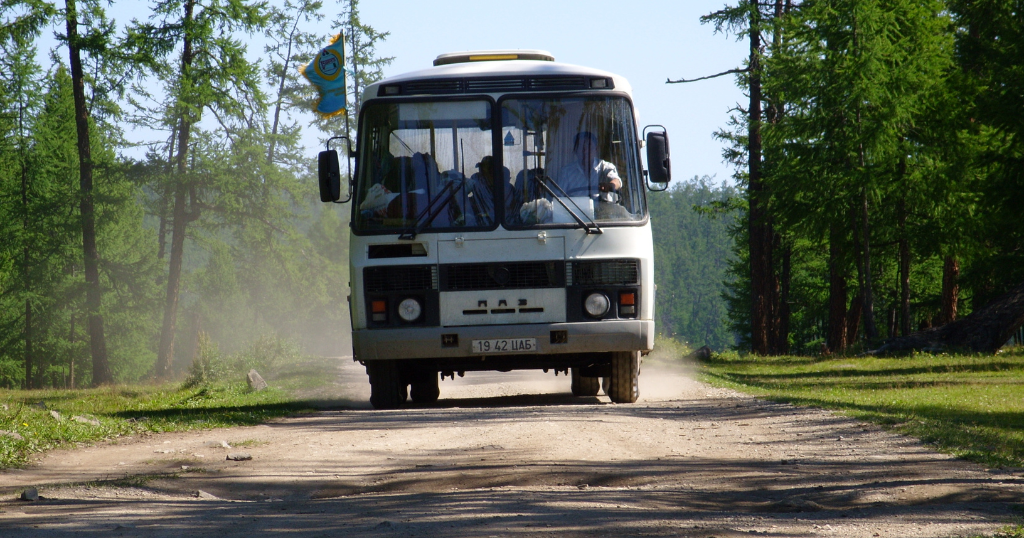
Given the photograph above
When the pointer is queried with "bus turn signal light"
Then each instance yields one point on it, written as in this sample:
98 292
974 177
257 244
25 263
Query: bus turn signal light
379 310
627 303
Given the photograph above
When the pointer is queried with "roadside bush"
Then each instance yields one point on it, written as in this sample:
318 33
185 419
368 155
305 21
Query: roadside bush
668 349
267 355
11 374
208 364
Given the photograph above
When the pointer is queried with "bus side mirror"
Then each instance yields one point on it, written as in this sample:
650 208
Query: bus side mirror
659 162
329 170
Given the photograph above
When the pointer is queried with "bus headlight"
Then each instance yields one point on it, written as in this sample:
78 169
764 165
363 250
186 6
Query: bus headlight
410 309
596 304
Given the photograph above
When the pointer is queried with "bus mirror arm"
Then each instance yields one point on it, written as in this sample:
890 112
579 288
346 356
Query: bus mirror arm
329 173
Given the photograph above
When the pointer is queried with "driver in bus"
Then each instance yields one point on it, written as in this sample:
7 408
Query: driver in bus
588 174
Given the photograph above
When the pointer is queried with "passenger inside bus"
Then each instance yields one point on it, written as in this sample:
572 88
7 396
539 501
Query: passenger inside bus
402 190
476 198
409 186
526 200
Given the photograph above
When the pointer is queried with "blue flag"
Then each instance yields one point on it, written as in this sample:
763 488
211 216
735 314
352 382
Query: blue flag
327 73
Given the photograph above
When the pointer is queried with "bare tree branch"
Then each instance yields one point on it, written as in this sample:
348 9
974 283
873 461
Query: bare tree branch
723 73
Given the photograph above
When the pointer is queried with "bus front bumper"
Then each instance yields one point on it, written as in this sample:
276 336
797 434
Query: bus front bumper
550 338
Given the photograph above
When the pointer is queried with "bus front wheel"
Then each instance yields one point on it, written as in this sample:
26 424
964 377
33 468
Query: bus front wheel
387 390
624 384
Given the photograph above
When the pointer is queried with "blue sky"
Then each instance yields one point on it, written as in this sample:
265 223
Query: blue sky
646 41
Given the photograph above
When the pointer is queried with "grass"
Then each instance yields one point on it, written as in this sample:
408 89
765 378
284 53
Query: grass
1011 532
137 410
968 405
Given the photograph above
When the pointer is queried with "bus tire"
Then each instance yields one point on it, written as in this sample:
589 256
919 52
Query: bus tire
425 389
584 386
387 390
625 378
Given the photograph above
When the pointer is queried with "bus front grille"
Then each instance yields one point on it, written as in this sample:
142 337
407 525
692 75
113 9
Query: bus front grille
606 273
502 275
398 278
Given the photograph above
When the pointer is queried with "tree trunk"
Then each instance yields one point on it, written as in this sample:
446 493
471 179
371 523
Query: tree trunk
26 269
950 289
165 353
180 218
904 243
892 321
72 338
165 199
28 345
271 151
93 293
853 319
759 246
779 321
868 308
836 340
782 344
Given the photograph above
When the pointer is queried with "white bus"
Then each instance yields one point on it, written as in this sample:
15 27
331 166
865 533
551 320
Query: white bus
499 222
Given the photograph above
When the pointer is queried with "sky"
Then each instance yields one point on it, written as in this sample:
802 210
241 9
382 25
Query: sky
646 41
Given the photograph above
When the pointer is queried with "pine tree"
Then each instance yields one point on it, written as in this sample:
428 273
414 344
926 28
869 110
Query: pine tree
87 208
855 76
211 73
20 97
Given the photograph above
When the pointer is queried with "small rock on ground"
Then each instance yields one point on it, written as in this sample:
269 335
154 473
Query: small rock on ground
30 494
84 420
255 380
13 435
240 456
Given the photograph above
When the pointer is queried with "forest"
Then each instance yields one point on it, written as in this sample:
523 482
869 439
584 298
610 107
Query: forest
112 267
879 161
880 158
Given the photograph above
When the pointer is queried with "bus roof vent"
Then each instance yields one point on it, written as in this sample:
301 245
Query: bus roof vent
495 84
492 56
558 83
434 86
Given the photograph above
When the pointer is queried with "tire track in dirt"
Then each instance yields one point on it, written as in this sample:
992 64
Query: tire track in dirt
516 454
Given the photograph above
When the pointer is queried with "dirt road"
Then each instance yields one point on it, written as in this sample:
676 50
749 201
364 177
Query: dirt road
517 455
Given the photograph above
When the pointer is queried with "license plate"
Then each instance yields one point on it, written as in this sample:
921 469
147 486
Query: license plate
505 345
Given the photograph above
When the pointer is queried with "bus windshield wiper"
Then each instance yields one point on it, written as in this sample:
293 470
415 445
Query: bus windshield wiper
434 208
543 181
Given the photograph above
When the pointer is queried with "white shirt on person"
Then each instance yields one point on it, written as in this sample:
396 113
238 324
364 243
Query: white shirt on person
579 181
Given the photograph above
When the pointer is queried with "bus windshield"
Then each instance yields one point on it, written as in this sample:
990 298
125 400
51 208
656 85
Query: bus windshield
431 166
425 166
570 157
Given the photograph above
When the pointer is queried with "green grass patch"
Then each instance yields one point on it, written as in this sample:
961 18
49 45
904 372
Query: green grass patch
968 405
126 411
1011 532
213 395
